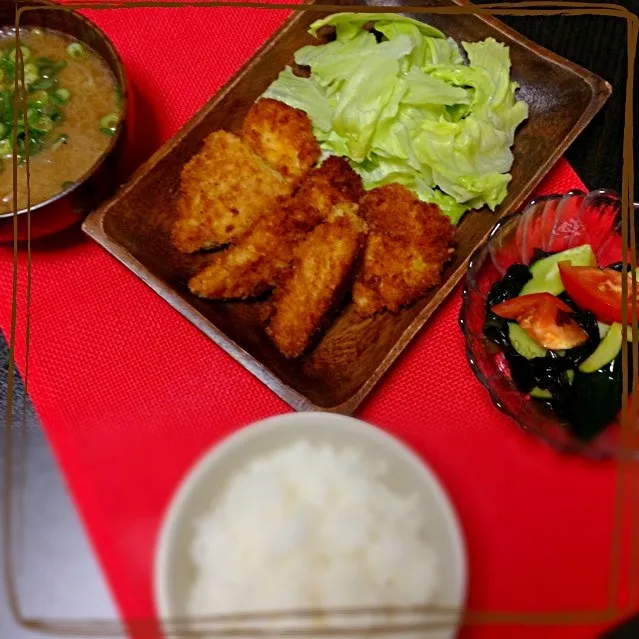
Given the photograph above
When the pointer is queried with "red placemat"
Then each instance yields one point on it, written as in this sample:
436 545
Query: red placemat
130 394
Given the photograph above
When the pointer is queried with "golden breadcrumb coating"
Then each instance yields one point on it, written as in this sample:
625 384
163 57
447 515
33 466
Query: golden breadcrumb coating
316 281
408 244
337 172
224 189
283 136
251 267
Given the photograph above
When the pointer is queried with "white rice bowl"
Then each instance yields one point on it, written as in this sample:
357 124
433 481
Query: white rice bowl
310 518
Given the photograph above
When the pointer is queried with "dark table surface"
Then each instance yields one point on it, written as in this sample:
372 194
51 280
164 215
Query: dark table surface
53 529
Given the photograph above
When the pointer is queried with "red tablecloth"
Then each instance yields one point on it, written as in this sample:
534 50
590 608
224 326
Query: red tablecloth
130 393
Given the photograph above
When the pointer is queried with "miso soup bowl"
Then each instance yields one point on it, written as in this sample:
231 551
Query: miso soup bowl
100 180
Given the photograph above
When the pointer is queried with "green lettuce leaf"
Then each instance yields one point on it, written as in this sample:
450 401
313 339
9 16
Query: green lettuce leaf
424 90
349 23
470 160
503 110
442 51
369 96
395 138
447 204
334 62
362 99
379 171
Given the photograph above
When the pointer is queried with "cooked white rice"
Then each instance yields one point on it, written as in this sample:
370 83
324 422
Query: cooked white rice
311 527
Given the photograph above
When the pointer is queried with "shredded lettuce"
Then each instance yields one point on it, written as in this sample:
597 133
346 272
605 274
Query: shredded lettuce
347 24
411 109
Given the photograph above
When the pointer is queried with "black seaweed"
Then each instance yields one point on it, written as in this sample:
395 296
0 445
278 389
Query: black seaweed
509 286
591 402
538 254
596 399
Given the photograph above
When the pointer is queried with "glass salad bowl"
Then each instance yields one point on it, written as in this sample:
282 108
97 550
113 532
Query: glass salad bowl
550 224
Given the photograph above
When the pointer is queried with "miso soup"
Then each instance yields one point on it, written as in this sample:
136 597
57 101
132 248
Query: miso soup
73 110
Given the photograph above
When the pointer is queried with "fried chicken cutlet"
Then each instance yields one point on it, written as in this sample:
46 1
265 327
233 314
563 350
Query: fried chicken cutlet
283 137
408 244
224 189
315 282
251 267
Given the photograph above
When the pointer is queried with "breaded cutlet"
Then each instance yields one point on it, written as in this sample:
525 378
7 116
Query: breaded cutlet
337 173
408 244
283 136
316 280
251 267
224 189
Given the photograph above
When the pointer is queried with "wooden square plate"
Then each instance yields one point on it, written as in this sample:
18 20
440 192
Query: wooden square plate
352 356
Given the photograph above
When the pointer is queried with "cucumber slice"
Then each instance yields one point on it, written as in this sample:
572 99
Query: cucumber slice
607 350
545 272
540 393
525 345
604 328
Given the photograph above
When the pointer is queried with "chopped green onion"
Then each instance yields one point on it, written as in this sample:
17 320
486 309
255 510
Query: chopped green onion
43 124
26 53
33 116
35 146
39 99
62 139
67 185
8 68
47 72
43 85
75 50
107 131
61 95
7 110
30 73
44 104
110 122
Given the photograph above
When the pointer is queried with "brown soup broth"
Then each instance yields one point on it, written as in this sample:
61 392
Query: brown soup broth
93 95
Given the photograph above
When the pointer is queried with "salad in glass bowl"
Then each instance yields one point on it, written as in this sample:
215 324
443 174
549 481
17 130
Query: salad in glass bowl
542 316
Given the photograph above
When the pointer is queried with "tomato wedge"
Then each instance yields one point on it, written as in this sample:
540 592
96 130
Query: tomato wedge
545 318
597 290
515 307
